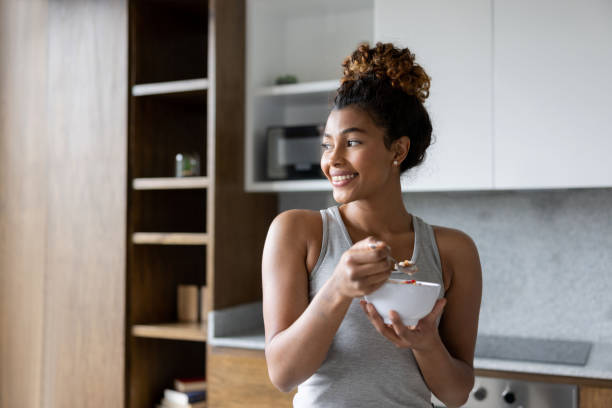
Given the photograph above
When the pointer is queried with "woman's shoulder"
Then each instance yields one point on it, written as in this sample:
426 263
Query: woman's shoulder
299 224
297 218
457 249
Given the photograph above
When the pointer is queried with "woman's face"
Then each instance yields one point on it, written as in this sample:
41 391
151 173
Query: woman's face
355 159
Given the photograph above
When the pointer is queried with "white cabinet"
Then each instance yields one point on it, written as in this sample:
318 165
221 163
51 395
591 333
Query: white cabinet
553 93
307 39
452 41
521 95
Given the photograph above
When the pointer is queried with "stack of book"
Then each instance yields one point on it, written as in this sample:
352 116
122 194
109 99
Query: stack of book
187 393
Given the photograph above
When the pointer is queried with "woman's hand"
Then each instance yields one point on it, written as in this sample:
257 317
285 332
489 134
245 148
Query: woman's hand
363 268
424 336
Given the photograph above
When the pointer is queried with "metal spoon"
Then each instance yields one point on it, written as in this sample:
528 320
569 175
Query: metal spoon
406 266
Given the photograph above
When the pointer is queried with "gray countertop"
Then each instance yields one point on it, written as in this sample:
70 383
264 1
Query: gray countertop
242 327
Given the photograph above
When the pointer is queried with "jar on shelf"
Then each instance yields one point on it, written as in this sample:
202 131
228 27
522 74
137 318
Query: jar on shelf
187 165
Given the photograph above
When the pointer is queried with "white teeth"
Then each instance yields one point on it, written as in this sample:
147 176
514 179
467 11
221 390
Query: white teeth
340 178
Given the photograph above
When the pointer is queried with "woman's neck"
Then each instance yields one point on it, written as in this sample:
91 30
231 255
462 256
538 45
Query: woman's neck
380 216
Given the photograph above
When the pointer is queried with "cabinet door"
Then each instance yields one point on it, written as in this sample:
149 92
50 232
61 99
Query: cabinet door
239 378
452 41
553 93
595 397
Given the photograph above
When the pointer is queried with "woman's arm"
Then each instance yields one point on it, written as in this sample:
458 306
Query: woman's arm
445 354
298 333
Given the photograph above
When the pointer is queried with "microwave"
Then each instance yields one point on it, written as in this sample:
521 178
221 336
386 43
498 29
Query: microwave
294 152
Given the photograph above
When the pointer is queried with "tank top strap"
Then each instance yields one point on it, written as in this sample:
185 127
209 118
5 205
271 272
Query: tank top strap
427 248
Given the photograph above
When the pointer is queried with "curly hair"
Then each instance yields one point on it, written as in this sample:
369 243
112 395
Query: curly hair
386 83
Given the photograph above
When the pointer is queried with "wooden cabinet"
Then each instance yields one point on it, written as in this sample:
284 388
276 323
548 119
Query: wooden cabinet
553 94
186 96
452 42
239 378
595 397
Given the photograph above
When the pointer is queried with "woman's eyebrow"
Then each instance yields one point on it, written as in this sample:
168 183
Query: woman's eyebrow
348 130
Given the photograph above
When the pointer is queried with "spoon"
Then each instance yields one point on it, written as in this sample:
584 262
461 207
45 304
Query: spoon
406 266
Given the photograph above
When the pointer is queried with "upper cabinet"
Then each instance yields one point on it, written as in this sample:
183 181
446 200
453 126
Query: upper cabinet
307 40
553 94
452 41
520 94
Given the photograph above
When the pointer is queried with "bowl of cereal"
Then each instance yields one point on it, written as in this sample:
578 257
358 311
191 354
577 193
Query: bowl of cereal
411 299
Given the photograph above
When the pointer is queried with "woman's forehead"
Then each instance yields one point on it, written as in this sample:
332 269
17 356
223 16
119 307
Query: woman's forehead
347 118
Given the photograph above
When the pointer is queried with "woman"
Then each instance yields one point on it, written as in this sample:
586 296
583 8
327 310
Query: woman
317 266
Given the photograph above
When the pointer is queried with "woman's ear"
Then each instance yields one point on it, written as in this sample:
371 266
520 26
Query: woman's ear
400 149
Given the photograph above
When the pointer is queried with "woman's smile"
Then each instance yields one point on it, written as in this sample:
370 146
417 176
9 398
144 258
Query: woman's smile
340 180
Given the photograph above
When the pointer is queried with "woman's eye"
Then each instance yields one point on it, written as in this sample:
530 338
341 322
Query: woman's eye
353 142
325 146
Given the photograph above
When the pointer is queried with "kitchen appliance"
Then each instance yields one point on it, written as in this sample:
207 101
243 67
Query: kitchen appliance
294 152
507 393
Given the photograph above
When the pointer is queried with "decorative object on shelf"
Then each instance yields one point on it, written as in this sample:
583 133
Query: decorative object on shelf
203 301
187 306
187 165
286 79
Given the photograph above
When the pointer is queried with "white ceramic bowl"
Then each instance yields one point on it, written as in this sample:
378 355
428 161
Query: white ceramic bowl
411 300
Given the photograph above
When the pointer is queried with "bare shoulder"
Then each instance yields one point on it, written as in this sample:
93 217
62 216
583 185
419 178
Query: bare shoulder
452 240
299 224
296 233
458 251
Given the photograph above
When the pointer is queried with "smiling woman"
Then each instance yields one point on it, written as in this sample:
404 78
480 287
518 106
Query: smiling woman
317 266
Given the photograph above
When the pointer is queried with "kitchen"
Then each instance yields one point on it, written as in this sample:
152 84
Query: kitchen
512 90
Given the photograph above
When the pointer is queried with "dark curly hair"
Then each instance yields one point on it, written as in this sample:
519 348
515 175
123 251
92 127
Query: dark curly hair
386 83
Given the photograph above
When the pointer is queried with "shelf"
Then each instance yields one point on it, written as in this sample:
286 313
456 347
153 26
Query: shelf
170 183
161 88
162 238
290 185
307 92
174 331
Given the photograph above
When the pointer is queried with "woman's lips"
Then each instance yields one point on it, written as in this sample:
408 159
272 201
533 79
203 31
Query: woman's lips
339 181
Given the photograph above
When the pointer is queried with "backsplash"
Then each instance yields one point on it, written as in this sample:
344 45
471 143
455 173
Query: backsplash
546 255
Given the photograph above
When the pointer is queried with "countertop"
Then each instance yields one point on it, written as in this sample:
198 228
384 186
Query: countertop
242 327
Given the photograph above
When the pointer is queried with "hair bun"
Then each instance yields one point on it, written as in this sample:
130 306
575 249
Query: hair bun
386 62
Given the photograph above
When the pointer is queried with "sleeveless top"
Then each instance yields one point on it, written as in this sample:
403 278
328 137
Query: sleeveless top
362 368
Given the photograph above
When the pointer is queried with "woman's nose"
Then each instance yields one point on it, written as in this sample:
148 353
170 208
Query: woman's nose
336 155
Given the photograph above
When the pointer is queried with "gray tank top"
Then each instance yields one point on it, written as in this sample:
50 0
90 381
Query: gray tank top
362 368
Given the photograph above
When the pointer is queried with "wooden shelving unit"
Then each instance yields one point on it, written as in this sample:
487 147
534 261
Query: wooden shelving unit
173 331
186 230
167 183
156 238
161 88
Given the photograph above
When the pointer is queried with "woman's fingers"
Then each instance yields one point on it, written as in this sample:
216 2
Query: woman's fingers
379 324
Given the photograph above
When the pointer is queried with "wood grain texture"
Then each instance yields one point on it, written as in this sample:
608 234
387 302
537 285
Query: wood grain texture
239 378
84 310
241 220
23 214
595 397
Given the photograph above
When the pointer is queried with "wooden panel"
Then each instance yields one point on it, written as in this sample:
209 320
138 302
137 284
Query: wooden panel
169 40
84 311
155 273
595 397
239 378
164 125
167 183
241 220
169 210
23 192
175 331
